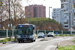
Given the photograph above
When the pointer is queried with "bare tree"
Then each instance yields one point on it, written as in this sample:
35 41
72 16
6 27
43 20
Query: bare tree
16 10
0 12
3 11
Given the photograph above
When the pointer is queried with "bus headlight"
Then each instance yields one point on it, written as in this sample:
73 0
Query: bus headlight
31 36
18 36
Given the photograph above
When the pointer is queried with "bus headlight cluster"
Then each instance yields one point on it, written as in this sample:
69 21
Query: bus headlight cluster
18 36
31 36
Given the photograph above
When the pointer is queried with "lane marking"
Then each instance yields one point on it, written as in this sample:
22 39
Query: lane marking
35 47
49 47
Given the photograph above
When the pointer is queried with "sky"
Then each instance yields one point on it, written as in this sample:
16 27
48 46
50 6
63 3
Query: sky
47 3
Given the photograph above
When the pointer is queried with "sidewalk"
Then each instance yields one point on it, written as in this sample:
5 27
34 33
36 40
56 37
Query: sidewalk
54 47
2 38
6 37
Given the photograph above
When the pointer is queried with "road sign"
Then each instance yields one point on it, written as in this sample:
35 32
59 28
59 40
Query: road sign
9 25
56 33
14 27
49 27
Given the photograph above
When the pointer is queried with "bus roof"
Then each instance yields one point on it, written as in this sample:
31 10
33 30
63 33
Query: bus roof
26 24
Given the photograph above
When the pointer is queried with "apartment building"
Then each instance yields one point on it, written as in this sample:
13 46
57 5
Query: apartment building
35 11
67 18
56 14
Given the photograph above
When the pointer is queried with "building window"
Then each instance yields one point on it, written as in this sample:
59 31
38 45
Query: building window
62 6
43 12
54 10
39 11
65 17
64 10
66 22
63 0
74 19
74 5
66 26
35 12
74 14
54 14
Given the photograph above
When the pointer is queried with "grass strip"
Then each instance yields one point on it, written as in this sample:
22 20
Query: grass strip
70 47
64 35
74 41
6 40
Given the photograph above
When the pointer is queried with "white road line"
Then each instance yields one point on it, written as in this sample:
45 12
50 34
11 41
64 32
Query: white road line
9 46
35 47
49 47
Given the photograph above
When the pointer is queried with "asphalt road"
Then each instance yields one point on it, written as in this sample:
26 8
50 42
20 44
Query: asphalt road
50 44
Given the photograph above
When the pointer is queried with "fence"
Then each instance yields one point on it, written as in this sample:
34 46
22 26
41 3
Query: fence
13 32
7 33
59 32
2 33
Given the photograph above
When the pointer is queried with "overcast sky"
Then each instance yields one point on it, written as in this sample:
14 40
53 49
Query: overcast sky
47 3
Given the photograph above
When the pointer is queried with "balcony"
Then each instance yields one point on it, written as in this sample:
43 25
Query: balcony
66 24
64 2
74 18
74 21
65 20
66 12
66 27
73 9
63 8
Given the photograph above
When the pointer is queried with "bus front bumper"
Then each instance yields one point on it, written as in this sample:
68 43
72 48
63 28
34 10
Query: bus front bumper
25 39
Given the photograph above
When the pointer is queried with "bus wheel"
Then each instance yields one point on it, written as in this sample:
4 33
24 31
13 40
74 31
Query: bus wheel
34 40
19 41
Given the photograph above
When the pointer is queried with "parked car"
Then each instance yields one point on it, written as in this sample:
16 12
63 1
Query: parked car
50 34
41 35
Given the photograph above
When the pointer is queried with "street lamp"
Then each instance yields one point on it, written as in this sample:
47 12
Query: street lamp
9 22
29 10
71 18
49 17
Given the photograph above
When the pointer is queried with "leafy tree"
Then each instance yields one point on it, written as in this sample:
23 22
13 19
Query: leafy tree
44 22
60 27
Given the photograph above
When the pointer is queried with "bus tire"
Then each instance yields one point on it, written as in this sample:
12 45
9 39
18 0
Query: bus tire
19 41
34 40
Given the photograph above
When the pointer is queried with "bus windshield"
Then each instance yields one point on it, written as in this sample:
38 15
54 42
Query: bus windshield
26 30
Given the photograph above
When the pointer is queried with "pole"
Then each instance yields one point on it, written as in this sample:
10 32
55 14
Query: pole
70 18
49 17
28 18
29 10
9 22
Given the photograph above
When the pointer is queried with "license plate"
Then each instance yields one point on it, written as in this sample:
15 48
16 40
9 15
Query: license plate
25 39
